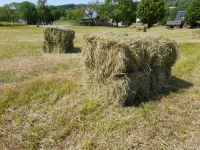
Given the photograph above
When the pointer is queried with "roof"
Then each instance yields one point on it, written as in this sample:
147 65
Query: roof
179 19
90 14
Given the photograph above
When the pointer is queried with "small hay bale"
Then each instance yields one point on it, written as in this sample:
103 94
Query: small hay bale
58 40
127 69
141 28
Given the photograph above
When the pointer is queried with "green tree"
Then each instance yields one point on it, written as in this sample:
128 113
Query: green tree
27 11
151 11
57 12
6 13
119 10
117 15
183 4
105 11
192 16
14 7
171 13
44 12
78 13
68 14
128 9
75 13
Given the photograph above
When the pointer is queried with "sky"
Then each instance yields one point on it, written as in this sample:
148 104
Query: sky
50 2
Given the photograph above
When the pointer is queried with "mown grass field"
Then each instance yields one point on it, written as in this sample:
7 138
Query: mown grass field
44 103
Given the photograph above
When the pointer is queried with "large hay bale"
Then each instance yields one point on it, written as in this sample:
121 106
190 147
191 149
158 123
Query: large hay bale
58 40
127 69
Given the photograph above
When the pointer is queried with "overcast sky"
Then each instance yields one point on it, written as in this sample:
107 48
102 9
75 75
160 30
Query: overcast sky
50 2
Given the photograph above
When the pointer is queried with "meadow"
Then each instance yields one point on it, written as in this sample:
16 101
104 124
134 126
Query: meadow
44 103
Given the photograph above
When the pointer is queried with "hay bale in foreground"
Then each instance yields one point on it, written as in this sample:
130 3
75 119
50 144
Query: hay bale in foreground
58 40
127 69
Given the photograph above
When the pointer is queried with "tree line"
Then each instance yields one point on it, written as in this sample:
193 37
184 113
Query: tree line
148 11
30 13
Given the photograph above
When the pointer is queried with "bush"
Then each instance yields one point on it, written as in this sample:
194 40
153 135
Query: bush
192 15
62 19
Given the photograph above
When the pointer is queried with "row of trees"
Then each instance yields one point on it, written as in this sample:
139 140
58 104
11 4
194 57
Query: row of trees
30 12
148 11
117 10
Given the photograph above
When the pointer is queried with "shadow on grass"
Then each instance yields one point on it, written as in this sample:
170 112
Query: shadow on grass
174 86
74 50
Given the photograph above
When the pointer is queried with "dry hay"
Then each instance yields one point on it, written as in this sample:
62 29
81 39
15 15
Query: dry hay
141 28
134 25
58 40
196 34
127 69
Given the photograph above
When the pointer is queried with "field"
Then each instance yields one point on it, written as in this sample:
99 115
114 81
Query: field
44 103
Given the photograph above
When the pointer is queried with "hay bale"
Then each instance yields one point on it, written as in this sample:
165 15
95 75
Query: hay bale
58 40
127 69
141 28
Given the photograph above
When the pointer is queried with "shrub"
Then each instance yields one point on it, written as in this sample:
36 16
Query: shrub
192 15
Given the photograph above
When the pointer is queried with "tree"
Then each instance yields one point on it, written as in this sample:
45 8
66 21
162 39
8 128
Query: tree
68 14
75 14
151 11
119 10
183 4
44 12
105 11
128 9
171 13
14 7
6 13
27 11
117 15
78 13
192 15
56 12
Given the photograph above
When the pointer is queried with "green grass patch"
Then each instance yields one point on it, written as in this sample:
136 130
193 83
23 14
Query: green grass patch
188 59
10 24
36 91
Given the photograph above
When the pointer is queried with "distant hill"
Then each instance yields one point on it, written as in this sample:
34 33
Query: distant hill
67 6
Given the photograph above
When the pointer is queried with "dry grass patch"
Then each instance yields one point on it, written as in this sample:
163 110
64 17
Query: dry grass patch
22 68
57 112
